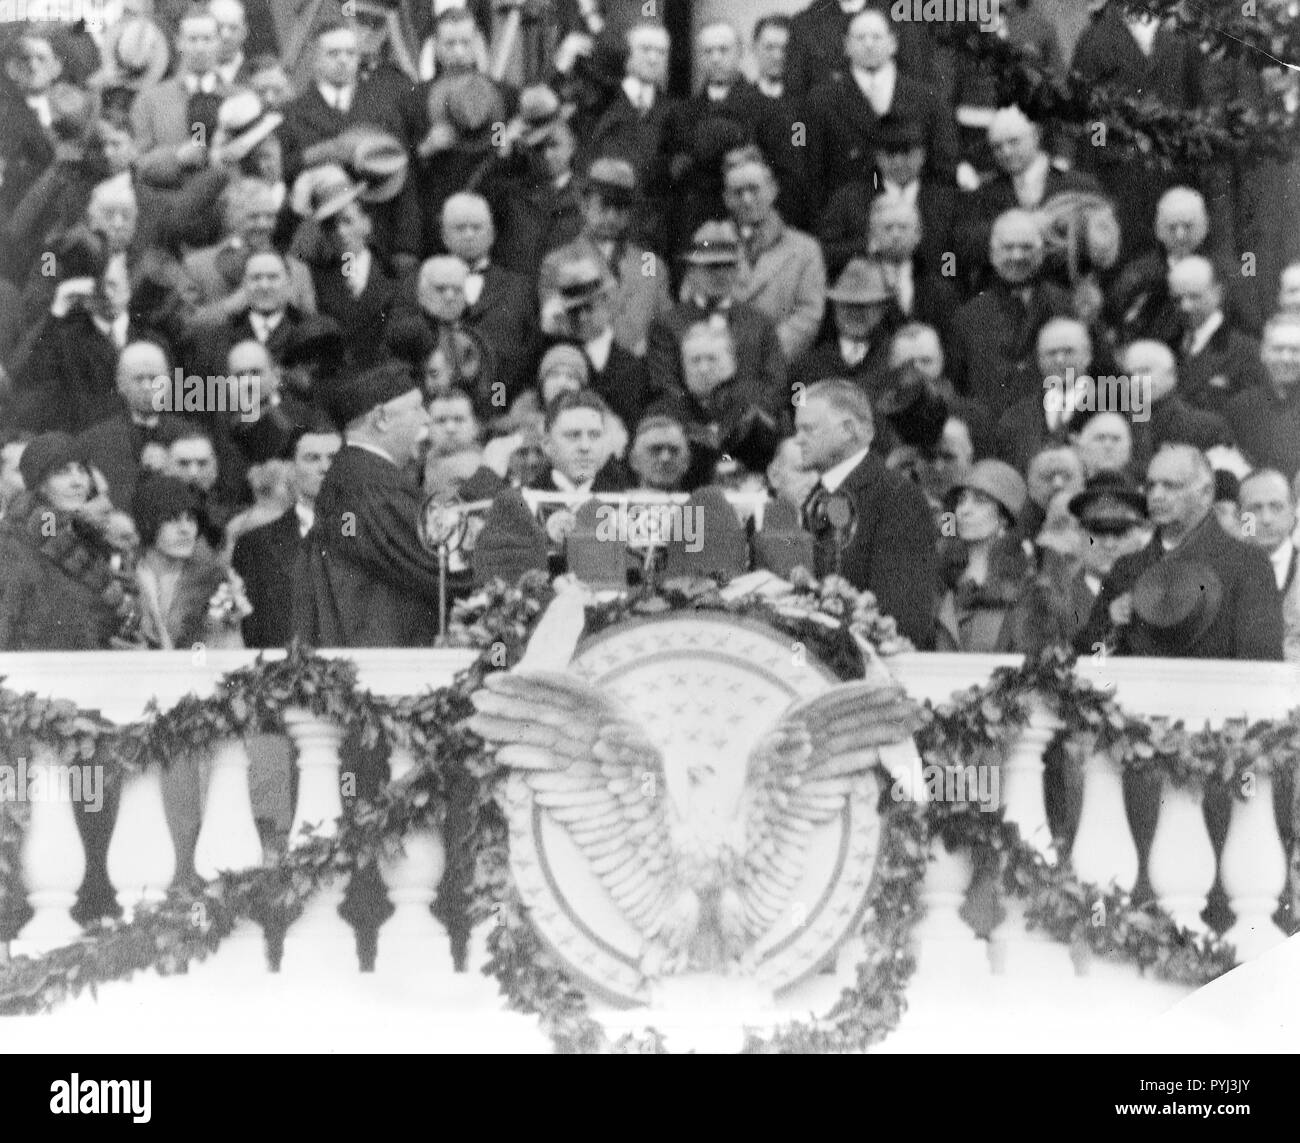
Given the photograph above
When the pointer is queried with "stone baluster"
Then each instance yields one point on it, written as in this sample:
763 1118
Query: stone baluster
1022 778
141 856
1253 869
1104 853
1030 959
948 949
412 943
53 859
1181 864
320 938
228 842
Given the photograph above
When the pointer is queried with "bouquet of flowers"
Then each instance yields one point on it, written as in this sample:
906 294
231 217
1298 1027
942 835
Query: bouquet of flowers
229 605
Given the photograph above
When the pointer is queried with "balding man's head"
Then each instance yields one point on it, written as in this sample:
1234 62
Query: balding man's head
1182 222
1016 247
467 229
142 377
1154 361
441 287
1013 139
1195 287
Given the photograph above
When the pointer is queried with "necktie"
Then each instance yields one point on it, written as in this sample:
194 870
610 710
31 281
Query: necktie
813 513
202 107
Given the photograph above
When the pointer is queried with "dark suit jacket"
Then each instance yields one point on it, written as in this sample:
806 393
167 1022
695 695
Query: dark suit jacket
992 338
624 383
758 350
25 148
207 346
843 128
265 558
505 316
1229 364
642 140
532 220
386 99
114 446
1267 428
892 553
364 319
825 360
1247 626
842 230
1174 421
64 376
362 579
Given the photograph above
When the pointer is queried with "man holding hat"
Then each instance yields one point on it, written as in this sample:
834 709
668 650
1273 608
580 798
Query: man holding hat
864 309
1193 591
639 279
584 297
712 270
364 580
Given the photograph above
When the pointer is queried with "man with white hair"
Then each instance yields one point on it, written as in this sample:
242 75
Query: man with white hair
1216 359
993 333
1288 292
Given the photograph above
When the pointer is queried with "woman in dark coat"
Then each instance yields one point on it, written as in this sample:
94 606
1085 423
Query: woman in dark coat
987 570
59 587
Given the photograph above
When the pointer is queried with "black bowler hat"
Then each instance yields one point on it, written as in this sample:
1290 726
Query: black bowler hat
915 409
1177 600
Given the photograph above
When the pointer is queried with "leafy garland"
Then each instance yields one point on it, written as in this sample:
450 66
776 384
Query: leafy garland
1161 133
984 721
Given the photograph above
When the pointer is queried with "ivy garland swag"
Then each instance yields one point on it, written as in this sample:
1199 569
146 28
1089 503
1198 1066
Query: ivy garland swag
833 621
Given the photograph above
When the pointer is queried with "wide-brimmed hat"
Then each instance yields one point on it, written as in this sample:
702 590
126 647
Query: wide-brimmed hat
714 244
540 112
998 481
136 51
1177 600
613 179
579 281
862 283
470 102
243 123
1109 499
380 161
321 192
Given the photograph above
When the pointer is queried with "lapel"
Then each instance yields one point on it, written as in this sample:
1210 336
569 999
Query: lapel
492 297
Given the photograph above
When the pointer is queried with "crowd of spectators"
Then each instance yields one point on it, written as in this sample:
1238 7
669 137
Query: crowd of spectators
254 310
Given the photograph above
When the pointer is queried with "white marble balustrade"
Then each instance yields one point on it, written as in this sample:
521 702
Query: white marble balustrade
1021 967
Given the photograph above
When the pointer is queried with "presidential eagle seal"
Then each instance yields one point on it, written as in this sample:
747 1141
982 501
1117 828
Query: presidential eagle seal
693 795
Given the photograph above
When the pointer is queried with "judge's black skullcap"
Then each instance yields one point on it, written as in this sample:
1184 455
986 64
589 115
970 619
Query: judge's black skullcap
354 395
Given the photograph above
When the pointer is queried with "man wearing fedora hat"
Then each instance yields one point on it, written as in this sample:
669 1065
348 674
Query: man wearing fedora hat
712 271
639 277
1193 591
864 319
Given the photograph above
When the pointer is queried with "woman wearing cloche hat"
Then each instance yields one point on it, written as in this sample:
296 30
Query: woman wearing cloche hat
986 569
